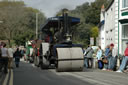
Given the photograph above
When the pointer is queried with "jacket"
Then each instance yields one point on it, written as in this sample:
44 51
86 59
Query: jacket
99 54
107 51
17 54
89 52
126 52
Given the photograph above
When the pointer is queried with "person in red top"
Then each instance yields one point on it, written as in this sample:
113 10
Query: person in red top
125 60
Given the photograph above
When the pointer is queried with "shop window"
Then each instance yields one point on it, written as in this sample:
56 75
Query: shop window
125 3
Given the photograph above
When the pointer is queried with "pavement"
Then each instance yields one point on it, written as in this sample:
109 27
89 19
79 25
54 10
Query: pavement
28 74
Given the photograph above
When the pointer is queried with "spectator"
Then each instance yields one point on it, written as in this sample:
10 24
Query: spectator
17 56
88 57
114 58
4 55
10 52
110 57
124 61
106 57
99 53
99 57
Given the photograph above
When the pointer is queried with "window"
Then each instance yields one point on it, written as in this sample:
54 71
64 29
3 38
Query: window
125 31
124 45
125 3
124 36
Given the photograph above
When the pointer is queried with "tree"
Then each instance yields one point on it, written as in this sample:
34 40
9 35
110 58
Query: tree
18 21
94 32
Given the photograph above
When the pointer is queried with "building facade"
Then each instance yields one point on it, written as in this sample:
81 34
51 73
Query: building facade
107 25
123 24
114 25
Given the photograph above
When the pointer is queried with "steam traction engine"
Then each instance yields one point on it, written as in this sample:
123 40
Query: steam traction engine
57 48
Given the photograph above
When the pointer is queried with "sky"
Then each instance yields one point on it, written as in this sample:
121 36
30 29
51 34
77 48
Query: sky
51 7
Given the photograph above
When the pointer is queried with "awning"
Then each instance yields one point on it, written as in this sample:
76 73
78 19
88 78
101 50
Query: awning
123 21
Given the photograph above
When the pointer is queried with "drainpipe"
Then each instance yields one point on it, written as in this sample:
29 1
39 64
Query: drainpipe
118 24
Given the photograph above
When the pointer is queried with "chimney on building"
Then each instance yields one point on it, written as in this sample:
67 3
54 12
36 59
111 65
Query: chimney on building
102 14
102 8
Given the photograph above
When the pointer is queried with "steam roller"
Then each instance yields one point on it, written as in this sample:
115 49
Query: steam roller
57 49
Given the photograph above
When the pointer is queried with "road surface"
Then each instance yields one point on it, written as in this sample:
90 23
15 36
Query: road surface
28 74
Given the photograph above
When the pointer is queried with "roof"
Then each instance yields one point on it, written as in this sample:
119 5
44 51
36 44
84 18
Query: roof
109 5
54 22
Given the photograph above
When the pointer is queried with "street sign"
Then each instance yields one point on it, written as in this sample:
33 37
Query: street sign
91 41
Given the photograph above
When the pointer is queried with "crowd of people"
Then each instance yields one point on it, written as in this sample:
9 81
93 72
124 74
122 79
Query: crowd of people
106 60
7 55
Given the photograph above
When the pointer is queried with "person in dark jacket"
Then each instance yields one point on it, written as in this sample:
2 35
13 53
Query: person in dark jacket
17 56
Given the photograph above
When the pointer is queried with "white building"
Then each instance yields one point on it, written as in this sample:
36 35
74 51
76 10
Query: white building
114 25
123 24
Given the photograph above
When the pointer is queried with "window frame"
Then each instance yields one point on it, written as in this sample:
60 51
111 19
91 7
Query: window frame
124 3
123 38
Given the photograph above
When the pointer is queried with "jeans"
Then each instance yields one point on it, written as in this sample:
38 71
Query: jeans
109 62
123 64
86 62
113 61
108 65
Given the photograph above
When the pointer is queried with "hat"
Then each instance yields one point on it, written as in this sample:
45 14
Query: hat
112 44
126 42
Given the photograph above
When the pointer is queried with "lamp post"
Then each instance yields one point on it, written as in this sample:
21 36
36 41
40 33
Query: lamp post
37 25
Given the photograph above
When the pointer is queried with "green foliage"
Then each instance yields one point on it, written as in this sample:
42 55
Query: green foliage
19 21
94 32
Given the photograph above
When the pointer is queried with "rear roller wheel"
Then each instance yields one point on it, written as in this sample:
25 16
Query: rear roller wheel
36 61
44 64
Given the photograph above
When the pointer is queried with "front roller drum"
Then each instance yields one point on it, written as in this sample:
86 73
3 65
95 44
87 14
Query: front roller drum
70 59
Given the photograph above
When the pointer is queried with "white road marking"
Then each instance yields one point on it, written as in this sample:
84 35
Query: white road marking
6 79
11 78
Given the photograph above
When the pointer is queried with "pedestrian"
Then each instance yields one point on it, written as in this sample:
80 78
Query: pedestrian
89 57
17 56
99 53
114 58
106 58
4 56
110 58
10 52
99 57
125 60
